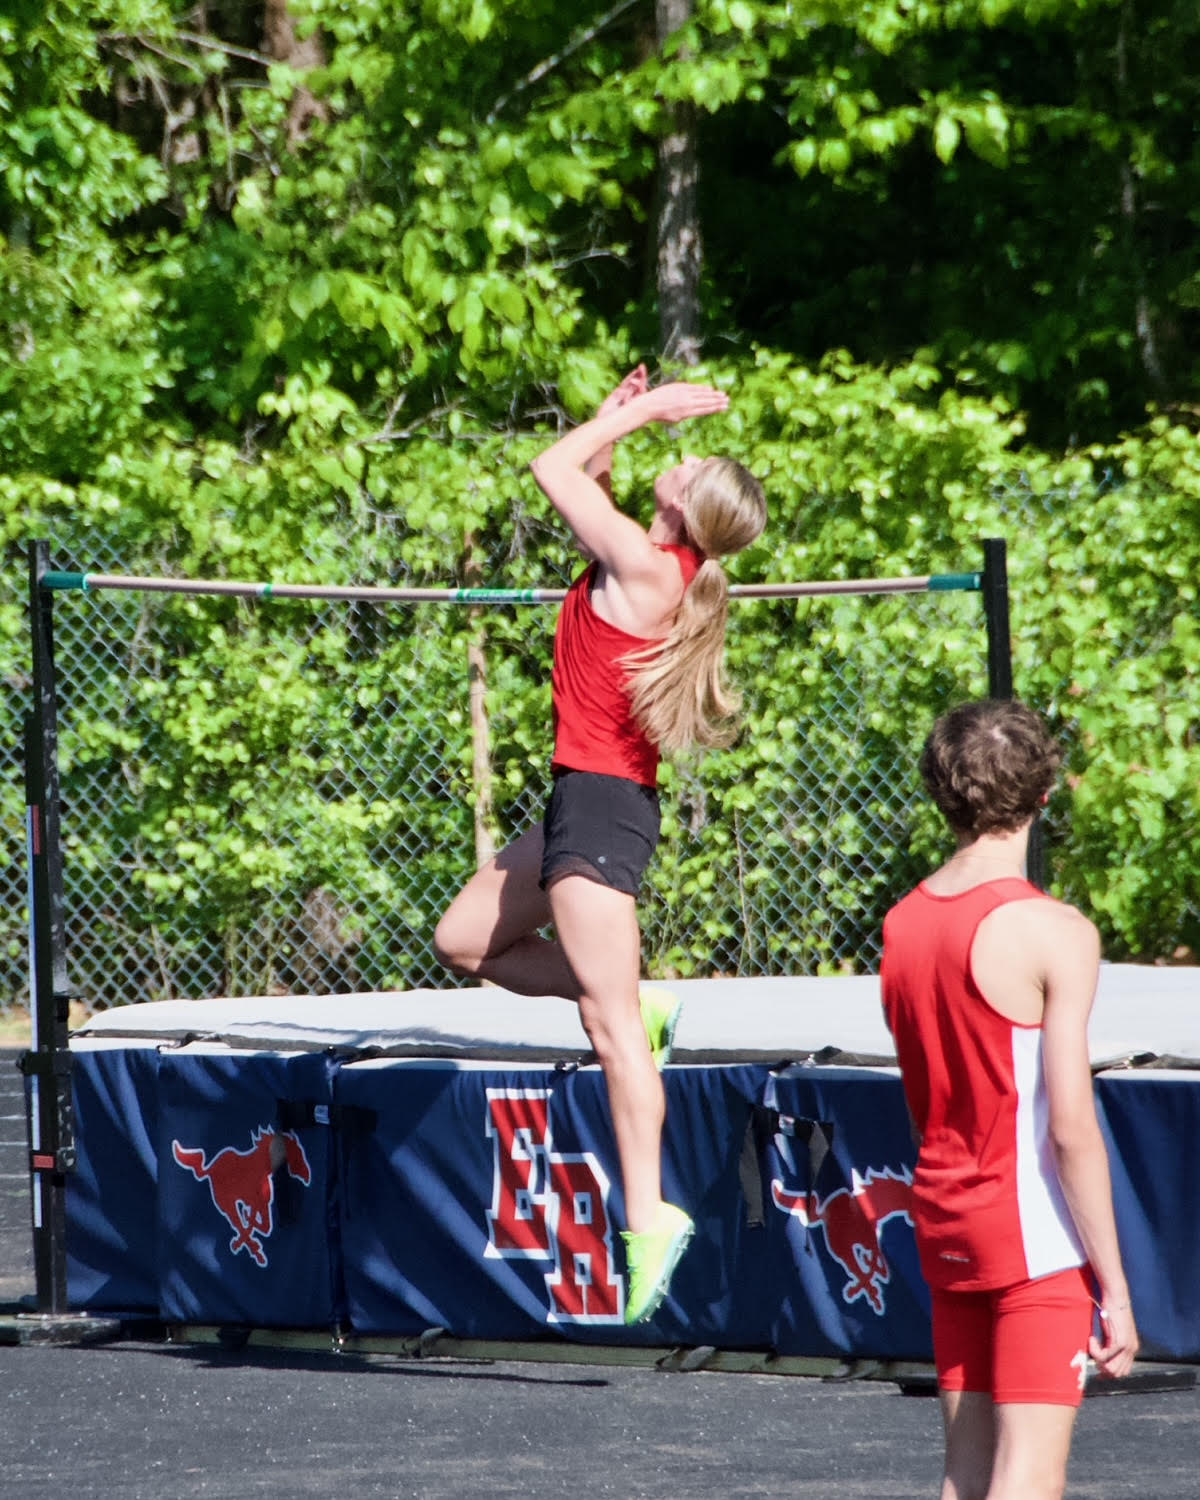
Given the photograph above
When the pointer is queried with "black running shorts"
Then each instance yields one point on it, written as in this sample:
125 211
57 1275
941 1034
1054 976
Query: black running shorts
602 827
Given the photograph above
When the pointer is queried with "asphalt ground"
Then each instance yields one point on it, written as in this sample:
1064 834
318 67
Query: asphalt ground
143 1418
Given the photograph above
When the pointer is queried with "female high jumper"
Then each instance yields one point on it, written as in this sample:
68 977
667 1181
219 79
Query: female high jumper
638 655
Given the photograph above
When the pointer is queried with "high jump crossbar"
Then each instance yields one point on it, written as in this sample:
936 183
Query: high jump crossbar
91 582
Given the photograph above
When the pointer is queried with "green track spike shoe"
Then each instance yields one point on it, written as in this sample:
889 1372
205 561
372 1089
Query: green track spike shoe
660 1016
651 1258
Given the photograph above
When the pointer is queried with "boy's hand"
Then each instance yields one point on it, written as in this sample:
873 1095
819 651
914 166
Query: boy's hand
1117 1345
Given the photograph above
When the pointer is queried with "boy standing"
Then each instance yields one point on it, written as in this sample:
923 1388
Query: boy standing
987 988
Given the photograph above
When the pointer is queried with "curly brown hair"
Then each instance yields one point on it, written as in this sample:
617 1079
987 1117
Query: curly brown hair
989 765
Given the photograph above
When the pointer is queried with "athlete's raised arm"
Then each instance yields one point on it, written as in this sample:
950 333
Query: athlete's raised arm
601 530
599 466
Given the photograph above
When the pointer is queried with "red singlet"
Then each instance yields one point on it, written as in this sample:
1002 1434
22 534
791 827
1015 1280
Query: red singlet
987 1205
593 727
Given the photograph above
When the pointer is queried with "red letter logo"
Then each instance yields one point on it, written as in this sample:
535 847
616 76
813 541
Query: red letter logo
551 1207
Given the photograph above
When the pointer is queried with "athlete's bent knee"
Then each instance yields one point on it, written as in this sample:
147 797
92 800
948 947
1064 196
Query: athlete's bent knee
452 952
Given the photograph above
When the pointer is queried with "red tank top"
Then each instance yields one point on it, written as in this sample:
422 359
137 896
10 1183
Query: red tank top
594 729
988 1208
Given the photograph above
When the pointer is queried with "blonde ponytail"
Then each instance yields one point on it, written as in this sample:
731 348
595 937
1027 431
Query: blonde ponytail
678 689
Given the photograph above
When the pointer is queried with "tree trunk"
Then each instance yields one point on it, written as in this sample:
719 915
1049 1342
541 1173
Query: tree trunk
285 46
680 248
1143 314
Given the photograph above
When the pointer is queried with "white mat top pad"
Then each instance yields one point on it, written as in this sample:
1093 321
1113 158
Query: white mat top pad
1143 1016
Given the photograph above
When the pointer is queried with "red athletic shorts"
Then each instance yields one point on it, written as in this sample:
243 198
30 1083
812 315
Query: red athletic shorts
1018 1343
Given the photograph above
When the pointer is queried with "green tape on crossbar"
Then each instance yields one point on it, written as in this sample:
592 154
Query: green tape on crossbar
945 582
496 596
64 581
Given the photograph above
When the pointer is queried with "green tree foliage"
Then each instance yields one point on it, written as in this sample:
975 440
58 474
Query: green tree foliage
1008 184
273 313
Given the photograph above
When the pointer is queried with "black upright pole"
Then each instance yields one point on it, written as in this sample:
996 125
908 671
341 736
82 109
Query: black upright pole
994 586
48 1065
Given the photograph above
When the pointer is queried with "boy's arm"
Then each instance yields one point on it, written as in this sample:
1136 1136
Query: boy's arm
1070 963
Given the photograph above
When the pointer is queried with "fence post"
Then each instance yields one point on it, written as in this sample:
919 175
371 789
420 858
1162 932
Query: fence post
48 1065
994 586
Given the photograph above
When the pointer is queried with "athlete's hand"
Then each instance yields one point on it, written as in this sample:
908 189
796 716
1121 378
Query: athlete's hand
634 384
679 400
1114 1350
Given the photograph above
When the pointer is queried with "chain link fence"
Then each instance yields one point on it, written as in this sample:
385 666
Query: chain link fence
281 797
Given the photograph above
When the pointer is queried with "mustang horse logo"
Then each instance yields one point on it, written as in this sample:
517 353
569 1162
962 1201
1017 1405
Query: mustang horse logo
242 1183
851 1219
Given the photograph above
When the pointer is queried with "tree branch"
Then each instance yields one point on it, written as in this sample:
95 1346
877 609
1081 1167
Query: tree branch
580 39
208 43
